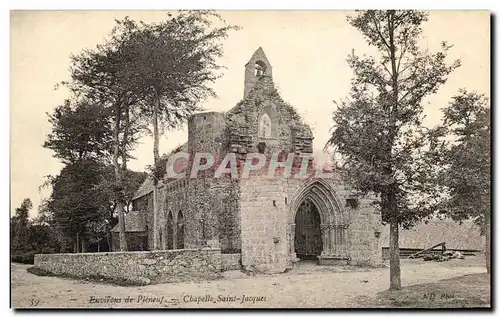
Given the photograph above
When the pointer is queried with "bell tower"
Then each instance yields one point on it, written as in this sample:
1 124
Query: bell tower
257 66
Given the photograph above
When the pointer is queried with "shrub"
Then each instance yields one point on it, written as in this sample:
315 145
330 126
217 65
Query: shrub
23 257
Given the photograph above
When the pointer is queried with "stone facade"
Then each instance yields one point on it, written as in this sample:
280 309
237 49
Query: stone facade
138 267
256 217
136 232
231 262
136 241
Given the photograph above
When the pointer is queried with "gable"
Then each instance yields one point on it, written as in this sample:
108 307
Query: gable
265 99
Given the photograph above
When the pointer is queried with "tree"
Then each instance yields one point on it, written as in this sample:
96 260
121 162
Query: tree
46 218
81 137
81 130
19 226
378 129
131 182
30 237
167 65
76 201
171 64
96 75
465 158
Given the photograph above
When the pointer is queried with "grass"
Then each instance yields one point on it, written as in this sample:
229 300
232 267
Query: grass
468 291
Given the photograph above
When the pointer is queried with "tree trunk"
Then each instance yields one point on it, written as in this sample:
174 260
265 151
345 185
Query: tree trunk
119 179
156 157
155 218
110 248
124 156
125 138
487 232
84 245
394 266
77 242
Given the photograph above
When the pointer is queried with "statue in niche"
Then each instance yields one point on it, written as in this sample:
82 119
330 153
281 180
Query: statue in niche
265 126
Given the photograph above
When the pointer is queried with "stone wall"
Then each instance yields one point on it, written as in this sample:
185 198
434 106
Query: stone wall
176 199
137 267
225 208
289 133
264 245
365 247
231 261
255 216
136 241
144 205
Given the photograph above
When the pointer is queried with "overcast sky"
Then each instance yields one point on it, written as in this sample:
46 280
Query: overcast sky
306 49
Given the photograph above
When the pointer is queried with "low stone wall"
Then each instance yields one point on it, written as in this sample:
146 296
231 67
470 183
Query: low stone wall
136 267
231 261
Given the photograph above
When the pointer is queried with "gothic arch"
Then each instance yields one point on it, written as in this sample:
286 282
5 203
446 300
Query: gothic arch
170 231
333 217
324 197
180 230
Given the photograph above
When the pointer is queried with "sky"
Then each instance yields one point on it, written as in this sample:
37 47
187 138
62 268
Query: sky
307 50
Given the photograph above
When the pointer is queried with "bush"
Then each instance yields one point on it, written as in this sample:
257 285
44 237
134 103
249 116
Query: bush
23 257
37 271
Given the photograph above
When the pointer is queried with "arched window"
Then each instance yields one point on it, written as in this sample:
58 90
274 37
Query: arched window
180 230
265 129
260 68
170 231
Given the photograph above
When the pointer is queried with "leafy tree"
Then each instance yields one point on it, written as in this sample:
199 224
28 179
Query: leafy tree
45 218
81 137
30 237
76 203
171 64
42 239
131 182
80 131
378 129
167 65
82 201
465 158
96 75
19 226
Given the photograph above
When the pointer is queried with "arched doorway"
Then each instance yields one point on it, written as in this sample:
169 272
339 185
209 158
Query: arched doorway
317 223
170 231
180 230
308 241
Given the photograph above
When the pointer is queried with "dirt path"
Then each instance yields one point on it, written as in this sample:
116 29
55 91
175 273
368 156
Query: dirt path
306 286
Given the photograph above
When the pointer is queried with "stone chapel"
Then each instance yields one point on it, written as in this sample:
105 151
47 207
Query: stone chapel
269 224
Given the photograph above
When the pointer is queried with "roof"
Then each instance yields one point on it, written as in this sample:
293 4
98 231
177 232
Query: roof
147 186
464 236
259 55
134 222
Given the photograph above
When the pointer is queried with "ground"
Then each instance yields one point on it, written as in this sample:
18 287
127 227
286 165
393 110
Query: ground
308 285
471 290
